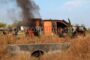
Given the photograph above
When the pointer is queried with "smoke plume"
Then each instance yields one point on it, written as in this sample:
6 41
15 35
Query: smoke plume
29 11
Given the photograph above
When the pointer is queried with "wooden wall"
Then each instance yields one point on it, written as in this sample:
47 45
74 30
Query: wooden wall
47 28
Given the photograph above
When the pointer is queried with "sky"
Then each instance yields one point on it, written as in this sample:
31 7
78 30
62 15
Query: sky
78 11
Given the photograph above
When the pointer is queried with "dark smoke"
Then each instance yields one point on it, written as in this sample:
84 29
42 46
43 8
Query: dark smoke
29 11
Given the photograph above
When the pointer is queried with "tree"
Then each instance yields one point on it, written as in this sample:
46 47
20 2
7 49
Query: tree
2 25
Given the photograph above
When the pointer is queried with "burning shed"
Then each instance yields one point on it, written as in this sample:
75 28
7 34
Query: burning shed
47 27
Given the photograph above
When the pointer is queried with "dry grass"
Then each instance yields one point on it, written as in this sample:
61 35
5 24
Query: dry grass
10 39
79 48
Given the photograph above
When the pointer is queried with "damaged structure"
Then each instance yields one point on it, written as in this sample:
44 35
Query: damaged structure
48 27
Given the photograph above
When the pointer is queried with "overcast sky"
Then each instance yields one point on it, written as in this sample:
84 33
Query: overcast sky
77 10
